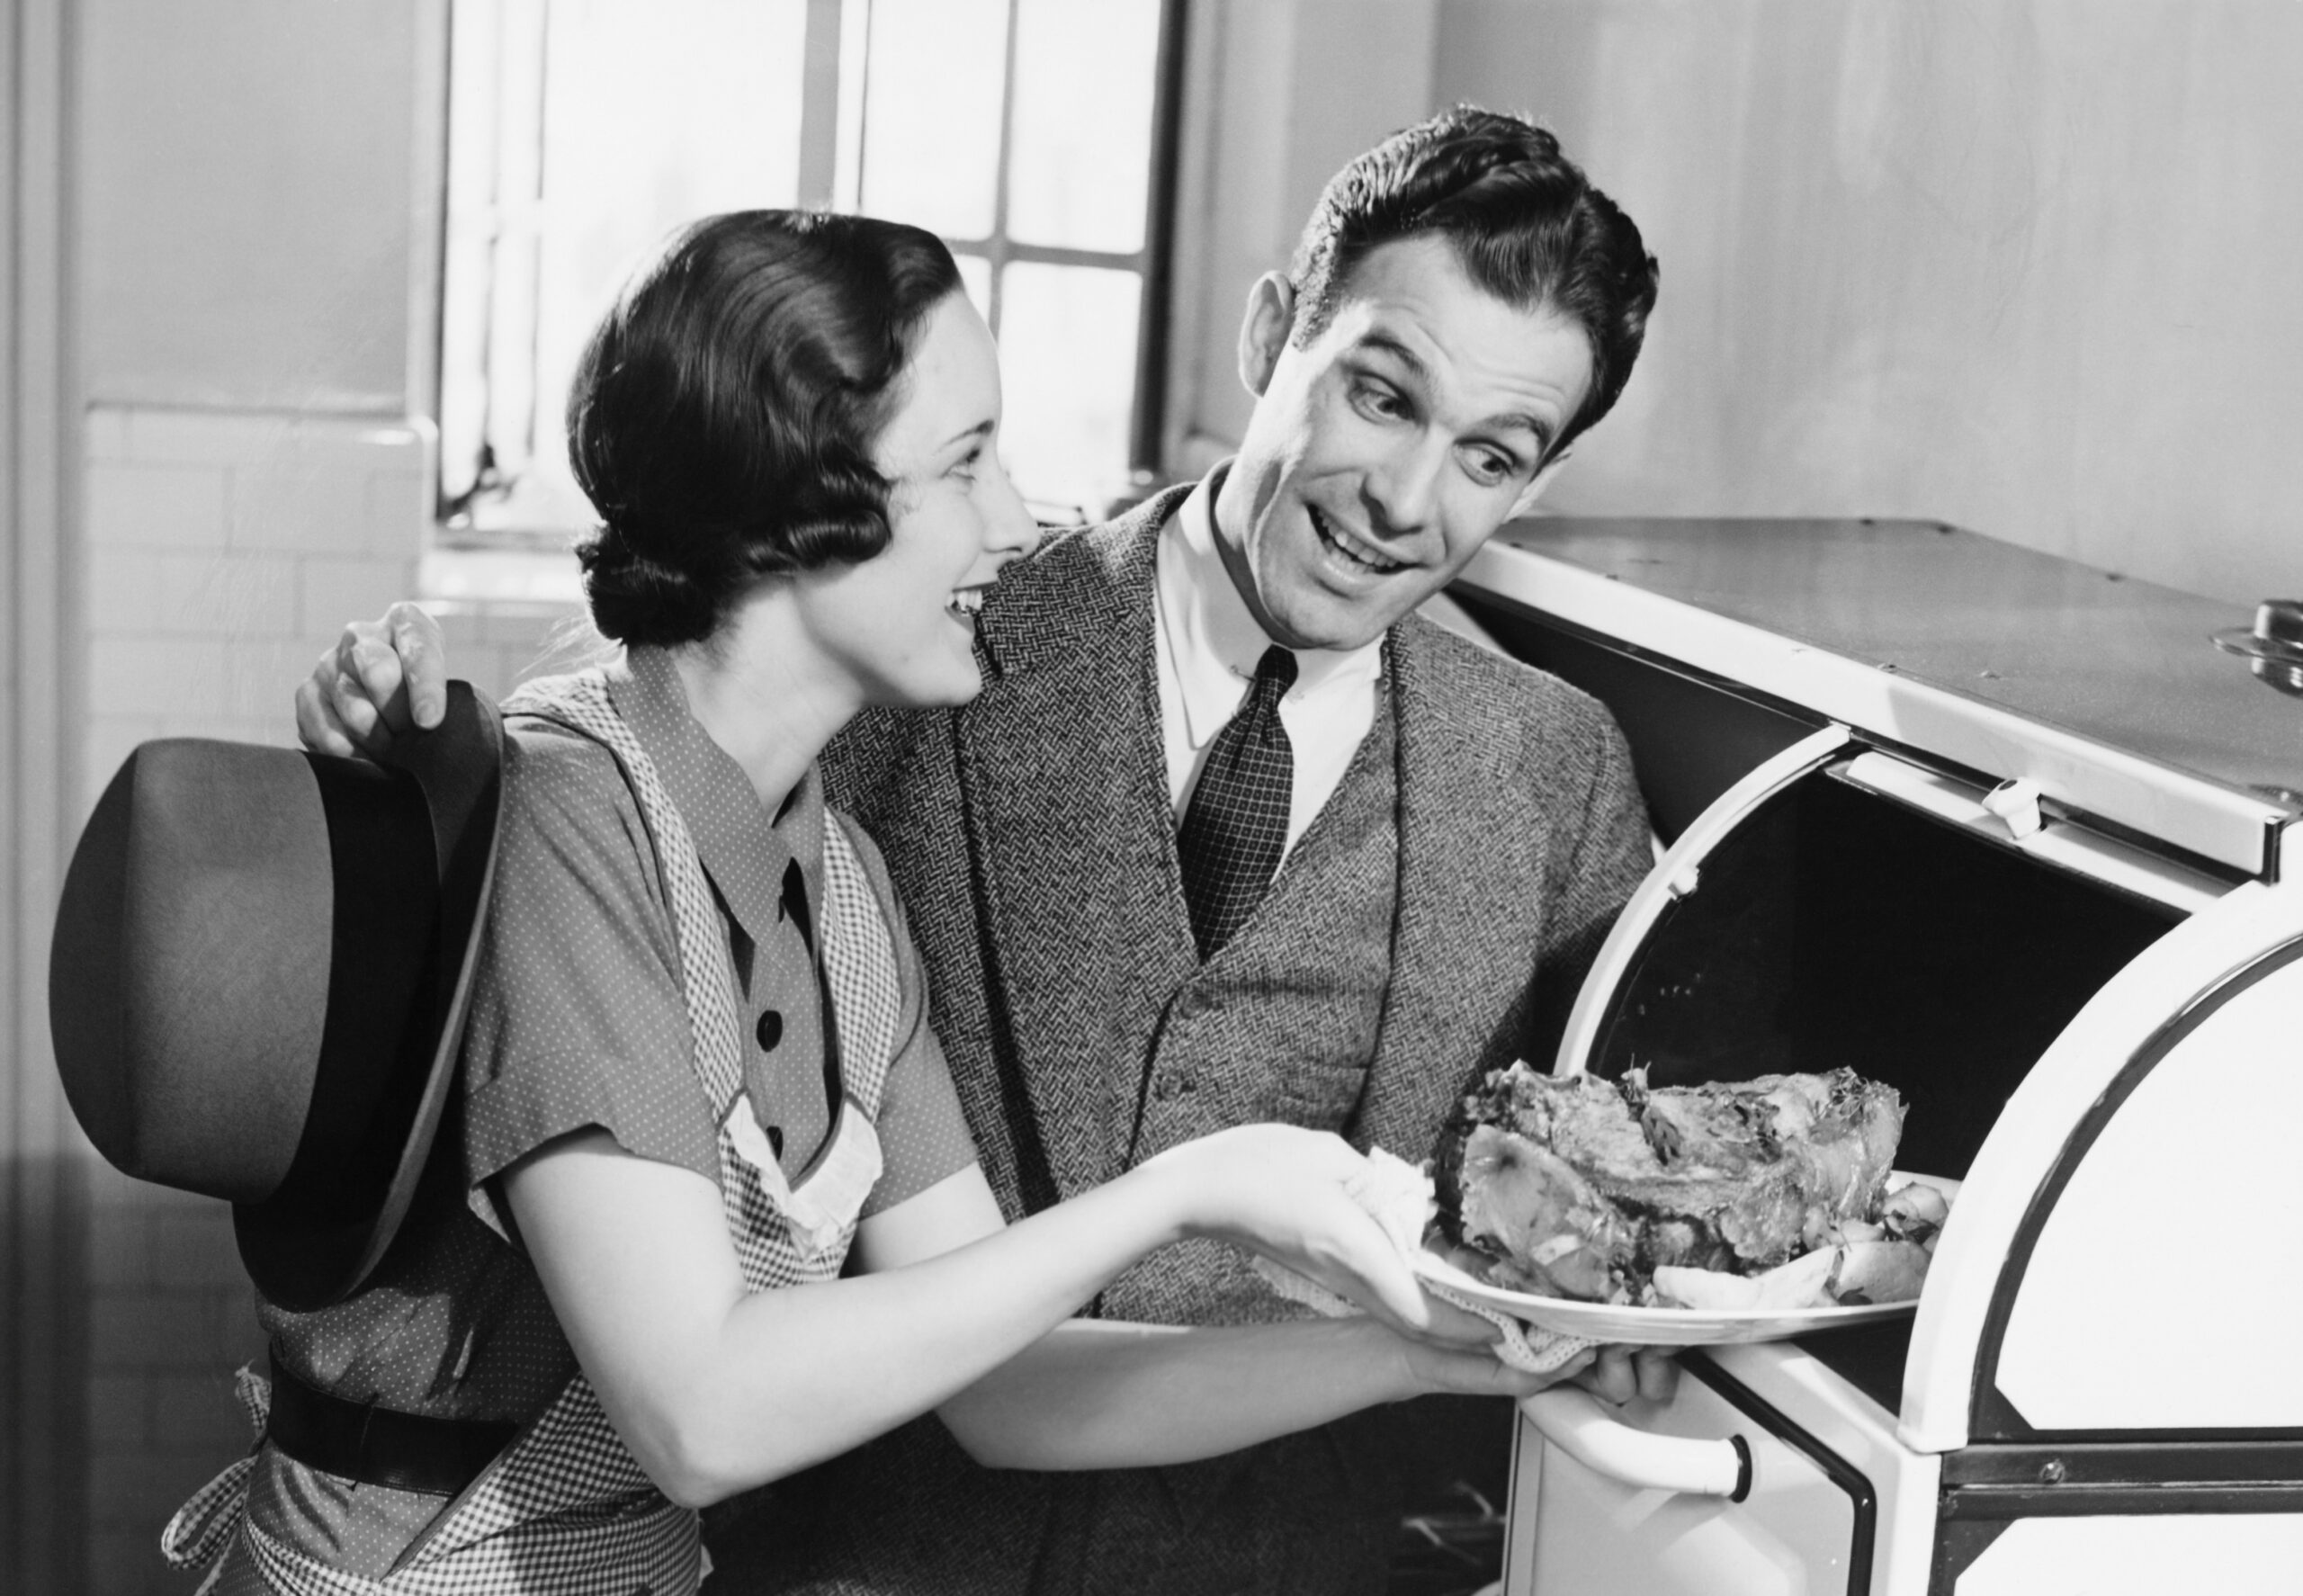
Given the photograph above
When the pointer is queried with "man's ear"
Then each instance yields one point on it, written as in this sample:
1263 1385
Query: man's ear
1534 490
1263 332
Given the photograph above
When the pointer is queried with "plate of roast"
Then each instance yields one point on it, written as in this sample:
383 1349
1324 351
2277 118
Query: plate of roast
1612 1210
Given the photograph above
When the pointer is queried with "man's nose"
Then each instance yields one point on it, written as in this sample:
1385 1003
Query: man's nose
1404 489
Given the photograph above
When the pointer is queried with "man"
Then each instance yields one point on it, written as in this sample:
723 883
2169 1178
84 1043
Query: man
1231 835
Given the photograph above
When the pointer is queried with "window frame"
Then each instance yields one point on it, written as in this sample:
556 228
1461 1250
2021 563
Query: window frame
835 89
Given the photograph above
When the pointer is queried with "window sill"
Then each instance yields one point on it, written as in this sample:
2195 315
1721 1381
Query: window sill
500 579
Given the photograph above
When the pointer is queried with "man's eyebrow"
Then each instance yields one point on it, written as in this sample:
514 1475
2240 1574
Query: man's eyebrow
1383 342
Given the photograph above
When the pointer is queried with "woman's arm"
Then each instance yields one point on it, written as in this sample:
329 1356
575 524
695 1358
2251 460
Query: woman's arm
1095 1393
716 1390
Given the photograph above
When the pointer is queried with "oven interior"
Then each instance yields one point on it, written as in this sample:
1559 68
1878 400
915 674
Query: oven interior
1834 926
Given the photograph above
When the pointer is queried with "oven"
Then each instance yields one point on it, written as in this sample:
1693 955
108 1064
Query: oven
2011 835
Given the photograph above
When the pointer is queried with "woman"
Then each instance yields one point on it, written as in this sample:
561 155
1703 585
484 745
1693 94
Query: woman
702 1101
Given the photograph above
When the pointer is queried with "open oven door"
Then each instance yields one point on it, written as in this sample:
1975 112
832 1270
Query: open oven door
1721 1495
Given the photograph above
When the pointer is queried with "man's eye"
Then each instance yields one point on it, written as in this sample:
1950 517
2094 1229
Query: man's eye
1488 468
1381 401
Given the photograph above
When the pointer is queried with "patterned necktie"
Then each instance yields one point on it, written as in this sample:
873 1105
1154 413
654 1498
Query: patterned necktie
1237 824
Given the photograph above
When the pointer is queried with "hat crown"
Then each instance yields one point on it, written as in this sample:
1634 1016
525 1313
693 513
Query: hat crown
259 972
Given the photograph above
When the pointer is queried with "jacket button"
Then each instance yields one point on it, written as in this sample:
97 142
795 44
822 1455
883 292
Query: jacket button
770 1029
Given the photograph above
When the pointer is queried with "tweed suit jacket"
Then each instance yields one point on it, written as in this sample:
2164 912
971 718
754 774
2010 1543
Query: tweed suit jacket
1014 828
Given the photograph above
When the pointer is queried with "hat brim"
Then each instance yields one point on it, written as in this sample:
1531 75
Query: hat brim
303 1259
2254 645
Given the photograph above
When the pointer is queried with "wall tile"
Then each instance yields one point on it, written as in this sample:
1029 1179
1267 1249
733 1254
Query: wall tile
129 1330
261 677
339 589
120 1412
146 507
199 1414
127 1562
125 591
399 503
138 1491
118 1249
156 676
206 437
228 595
296 509
105 743
194 1246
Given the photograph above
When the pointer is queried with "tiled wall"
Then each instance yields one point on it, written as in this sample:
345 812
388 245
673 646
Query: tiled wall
495 645
224 550
223 554
170 1317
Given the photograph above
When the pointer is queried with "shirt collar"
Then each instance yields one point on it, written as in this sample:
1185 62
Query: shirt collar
1213 638
746 853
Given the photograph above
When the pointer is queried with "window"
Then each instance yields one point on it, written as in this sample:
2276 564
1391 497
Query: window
1030 134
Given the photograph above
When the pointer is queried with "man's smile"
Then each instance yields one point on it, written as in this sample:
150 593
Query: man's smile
1350 547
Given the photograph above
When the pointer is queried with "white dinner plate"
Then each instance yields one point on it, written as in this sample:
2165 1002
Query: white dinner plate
1668 1327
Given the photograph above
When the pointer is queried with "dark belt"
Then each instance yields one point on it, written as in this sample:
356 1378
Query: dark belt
358 1441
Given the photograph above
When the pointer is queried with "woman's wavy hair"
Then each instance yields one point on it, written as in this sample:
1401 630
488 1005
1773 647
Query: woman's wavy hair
722 417
1523 220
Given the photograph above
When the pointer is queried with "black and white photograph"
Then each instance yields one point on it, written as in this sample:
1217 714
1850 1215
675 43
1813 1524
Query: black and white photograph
1150 797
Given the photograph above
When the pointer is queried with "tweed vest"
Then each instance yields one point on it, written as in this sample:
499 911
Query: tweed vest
1280 1025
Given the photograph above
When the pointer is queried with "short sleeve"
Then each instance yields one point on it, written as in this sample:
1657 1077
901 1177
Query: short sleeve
576 1018
923 1134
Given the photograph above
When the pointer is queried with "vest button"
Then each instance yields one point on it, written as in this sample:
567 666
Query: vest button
770 1029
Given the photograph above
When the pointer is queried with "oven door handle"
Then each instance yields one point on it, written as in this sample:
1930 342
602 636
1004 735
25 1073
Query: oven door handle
1580 1425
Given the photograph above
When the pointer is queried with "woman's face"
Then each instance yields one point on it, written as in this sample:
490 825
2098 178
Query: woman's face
902 623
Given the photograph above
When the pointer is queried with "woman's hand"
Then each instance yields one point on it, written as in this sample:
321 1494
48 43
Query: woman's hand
382 677
1283 1191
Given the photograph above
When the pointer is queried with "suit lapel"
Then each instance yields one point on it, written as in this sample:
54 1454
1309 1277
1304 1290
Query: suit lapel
1472 874
1058 771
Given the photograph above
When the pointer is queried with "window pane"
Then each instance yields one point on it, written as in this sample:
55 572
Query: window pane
654 113
1082 157
1067 353
975 276
931 123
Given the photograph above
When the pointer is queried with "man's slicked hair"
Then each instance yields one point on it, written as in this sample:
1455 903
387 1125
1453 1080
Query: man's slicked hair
1524 222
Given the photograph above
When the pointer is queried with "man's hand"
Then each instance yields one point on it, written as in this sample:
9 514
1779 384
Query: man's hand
382 678
1618 1373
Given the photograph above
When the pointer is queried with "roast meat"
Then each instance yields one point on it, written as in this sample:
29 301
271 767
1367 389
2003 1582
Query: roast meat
1576 1186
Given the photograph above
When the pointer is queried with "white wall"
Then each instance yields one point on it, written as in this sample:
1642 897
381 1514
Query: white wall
253 252
1279 93
2027 266
254 190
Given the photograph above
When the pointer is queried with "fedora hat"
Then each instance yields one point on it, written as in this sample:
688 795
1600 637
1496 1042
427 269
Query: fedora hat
259 976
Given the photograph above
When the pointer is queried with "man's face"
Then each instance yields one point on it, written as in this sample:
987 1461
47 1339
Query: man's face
1382 454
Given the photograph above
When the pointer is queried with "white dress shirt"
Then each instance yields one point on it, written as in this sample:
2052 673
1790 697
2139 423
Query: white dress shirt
1207 643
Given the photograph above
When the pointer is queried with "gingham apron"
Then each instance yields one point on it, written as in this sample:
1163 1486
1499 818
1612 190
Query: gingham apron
565 1510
